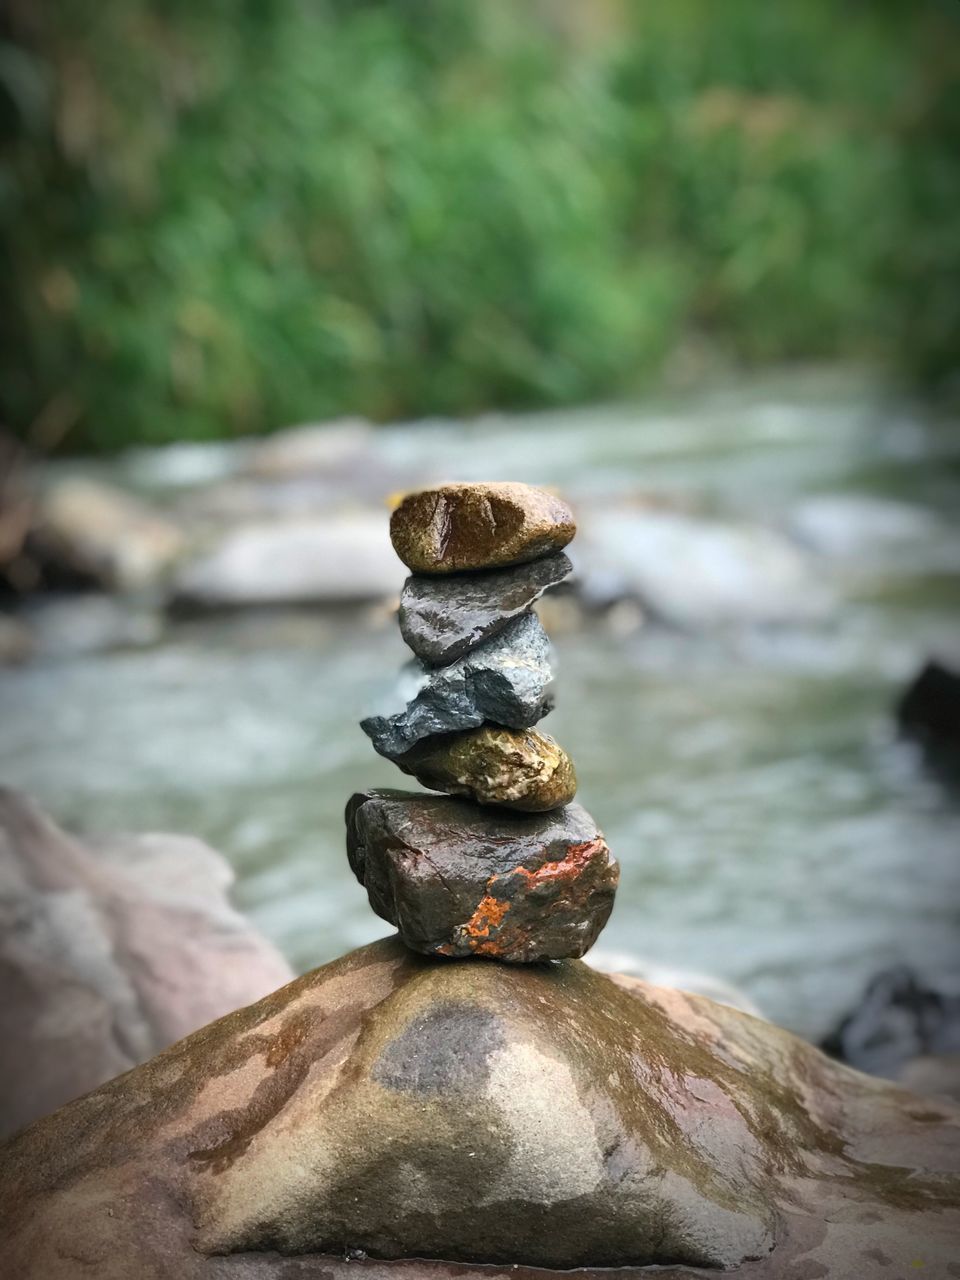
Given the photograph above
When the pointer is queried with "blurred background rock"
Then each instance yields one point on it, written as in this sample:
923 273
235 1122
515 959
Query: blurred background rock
695 265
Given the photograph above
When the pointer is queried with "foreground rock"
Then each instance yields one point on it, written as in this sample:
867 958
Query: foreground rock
654 973
517 769
456 527
544 1117
935 1075
109 951
506 680
461 881
441 618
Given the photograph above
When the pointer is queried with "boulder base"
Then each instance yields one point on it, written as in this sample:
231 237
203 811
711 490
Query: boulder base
393 1109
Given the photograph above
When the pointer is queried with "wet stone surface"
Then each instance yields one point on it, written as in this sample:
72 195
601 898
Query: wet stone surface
457 880
442 618
457 527
514 768
389 1109
506 680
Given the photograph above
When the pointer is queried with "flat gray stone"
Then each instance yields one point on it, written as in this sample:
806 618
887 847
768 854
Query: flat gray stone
505 680
441 619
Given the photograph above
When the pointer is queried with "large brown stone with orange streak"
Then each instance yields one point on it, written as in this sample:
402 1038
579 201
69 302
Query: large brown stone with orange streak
457 527
457 880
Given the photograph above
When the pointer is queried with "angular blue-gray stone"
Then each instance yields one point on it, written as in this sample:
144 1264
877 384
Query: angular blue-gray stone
442 618
506 680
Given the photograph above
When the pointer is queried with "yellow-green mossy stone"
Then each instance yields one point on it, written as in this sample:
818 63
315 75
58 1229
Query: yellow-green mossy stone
515 768
458 527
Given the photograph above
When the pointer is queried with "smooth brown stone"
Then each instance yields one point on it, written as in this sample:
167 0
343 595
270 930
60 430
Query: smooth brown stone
516 769
436 1117
457 527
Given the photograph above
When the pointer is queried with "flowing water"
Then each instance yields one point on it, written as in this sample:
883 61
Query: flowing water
771 828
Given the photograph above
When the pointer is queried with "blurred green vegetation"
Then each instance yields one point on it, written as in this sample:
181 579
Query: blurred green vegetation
228 216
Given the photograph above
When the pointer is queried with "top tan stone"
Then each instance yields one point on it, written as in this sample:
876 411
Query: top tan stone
456 527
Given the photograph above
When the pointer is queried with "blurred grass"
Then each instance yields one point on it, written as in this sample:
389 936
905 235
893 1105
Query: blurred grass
226 217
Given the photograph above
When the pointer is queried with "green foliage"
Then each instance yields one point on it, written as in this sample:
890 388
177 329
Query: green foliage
225 217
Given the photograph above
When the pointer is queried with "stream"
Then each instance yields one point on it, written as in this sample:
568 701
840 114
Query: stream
771 827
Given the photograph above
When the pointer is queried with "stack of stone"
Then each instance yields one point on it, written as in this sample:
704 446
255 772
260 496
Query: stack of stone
504 865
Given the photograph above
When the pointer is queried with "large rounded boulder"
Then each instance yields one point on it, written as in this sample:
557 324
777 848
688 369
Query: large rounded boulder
391 1109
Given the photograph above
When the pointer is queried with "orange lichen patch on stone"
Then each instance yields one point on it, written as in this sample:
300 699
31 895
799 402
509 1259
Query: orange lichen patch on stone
486 933
482 948
488 915
578 857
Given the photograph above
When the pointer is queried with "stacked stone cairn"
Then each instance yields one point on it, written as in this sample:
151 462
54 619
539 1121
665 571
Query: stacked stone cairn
503 865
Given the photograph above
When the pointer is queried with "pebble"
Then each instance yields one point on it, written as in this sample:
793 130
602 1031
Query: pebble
507 680
457 880
456 527
516 769
442 618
